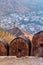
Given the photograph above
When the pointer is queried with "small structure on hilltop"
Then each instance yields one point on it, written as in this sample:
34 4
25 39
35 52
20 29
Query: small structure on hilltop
15 24
15 31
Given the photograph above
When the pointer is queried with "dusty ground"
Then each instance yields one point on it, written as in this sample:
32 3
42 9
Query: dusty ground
21 61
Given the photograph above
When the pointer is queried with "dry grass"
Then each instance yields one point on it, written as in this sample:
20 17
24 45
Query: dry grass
7 36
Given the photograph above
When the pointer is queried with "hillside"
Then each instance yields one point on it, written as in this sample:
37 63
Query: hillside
17 32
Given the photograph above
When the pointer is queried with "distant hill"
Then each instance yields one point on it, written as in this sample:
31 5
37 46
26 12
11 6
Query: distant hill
8 6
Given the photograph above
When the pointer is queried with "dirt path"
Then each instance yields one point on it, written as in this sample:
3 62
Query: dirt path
21 61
